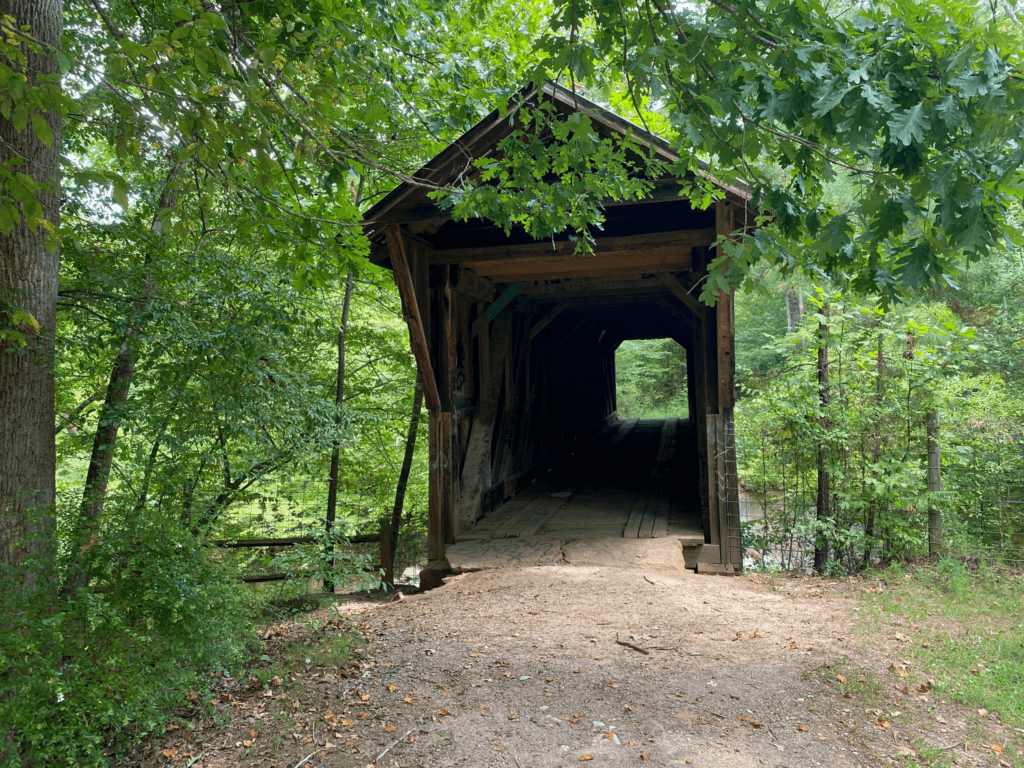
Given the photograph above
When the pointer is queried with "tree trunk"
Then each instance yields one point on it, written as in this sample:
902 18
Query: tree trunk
29 269
403 482
339 398
794 310
934 486
822 511
105 440
876 452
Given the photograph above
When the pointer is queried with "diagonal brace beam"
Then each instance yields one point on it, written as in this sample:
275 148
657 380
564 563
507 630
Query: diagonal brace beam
413 318
682 294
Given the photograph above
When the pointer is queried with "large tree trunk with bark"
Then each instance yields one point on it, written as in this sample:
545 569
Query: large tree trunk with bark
28 281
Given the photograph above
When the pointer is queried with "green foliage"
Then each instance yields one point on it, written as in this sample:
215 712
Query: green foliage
885 373
82 675
325 560
547 185
913 106
651 379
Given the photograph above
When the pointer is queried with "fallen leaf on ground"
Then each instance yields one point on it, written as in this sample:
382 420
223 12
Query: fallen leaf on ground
996 748
389 729
586 757
841 678
801 727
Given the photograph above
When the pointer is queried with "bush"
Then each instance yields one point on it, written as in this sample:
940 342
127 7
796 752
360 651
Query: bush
84 674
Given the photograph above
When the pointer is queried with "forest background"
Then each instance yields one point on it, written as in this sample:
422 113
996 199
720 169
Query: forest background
192 335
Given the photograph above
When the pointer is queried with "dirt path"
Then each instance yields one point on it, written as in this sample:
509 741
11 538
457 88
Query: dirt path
551 666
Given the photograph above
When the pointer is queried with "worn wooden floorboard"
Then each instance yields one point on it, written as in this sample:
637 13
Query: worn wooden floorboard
610 500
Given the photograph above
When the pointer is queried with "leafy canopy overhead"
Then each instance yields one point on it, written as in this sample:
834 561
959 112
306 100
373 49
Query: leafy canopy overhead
881 139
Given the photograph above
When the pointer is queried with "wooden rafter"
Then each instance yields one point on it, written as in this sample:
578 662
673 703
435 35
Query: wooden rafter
411 312
541 324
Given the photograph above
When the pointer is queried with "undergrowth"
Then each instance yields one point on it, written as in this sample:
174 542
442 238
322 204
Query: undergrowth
85 673
971 637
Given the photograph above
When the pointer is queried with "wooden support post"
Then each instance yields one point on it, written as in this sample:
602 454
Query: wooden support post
447 331
413 318
725 331
440 524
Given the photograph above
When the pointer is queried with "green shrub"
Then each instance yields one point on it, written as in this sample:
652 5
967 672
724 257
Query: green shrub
84 674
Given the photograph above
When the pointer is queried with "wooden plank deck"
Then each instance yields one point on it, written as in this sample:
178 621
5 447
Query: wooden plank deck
634 480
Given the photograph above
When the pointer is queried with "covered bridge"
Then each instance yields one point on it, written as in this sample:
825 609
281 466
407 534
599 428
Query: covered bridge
515 344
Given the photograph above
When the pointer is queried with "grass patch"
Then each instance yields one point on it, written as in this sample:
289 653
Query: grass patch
965 628
322 650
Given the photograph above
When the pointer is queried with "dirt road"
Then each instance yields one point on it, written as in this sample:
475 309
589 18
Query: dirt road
558 665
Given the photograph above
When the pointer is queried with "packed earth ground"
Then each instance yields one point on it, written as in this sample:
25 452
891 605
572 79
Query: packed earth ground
558 665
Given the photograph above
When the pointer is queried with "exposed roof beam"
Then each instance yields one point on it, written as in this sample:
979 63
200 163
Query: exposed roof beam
576 287
564 250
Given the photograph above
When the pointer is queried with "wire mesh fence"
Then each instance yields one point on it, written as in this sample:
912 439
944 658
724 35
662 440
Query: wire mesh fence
281 507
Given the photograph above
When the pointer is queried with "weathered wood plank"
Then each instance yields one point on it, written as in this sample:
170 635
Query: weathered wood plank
565 250
666 259
636 516
623 430
413 318
476 469
532 518
590 287
656 513
474 287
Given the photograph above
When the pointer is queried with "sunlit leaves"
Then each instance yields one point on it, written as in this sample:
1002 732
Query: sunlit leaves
898 102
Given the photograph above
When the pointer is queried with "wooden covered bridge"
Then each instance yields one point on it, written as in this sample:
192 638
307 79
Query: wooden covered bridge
515 344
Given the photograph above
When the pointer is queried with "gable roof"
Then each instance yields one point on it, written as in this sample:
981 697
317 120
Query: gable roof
409 201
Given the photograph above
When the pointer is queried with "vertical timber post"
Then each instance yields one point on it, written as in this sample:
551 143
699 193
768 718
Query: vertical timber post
725 327
412 290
